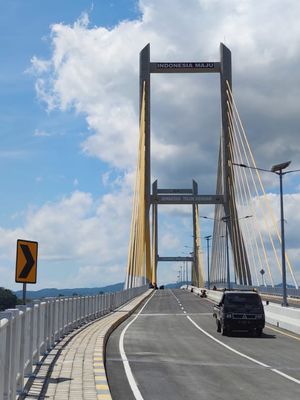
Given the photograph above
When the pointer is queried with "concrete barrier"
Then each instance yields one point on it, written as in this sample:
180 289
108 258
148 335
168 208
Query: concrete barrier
283 317
214 295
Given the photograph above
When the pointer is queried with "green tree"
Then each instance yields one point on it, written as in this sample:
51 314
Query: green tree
7 299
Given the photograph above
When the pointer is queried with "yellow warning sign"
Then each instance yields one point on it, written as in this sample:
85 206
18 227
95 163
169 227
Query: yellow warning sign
26 263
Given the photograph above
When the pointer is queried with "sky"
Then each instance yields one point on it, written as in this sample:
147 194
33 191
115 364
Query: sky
69 123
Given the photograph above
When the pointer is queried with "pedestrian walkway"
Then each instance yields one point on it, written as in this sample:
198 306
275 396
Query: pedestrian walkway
75 367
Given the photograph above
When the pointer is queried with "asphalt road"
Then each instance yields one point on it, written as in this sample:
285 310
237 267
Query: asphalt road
172 351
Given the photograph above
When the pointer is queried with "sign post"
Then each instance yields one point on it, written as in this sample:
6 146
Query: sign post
26 263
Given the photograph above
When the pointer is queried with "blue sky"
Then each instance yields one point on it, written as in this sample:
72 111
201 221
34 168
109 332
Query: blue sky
69 122
35 169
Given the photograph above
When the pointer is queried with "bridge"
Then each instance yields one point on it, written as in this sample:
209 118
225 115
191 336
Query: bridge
143 343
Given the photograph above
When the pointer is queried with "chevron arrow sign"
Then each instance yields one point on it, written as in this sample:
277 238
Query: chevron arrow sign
26 263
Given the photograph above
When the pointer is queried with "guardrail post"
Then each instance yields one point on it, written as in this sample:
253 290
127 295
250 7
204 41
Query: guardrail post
101 304
38 334
32 336
74 305
65 316
73 312
9 387
81 309
60 318
86 308
4 326
95 306
56 332
70 313
50 323
26 339
7 361
43 325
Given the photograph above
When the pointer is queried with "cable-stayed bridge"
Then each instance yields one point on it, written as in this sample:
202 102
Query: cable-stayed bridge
245 232
85 348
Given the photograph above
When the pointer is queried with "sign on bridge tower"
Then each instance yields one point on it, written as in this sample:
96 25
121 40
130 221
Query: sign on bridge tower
141 269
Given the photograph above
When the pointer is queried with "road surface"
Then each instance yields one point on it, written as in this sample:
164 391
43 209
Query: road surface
170 350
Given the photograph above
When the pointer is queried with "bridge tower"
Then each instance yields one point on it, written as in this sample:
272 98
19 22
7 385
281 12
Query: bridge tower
140 250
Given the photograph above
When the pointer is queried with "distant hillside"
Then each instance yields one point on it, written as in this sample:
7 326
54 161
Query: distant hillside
52 292
173 285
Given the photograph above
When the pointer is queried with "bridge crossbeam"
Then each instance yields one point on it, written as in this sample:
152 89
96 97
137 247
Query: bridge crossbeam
187 199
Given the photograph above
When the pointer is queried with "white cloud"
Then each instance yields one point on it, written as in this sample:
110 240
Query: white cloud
41 133
95 70
39 66
75 234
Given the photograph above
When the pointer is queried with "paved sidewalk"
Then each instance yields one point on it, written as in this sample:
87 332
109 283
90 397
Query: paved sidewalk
74 368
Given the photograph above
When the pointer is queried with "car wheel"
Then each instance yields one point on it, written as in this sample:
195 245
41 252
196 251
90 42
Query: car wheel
259 332
224 331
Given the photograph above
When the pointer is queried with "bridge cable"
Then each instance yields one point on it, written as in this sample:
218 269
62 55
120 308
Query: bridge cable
260 182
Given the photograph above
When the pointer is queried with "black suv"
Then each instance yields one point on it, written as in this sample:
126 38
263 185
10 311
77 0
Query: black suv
240 311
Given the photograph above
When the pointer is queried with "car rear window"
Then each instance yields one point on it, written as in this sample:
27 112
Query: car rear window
242 298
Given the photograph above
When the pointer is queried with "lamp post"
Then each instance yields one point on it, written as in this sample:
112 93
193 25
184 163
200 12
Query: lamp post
277 169
207 242
187 272
226 219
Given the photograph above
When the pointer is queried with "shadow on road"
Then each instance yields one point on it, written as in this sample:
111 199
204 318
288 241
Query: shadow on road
250 335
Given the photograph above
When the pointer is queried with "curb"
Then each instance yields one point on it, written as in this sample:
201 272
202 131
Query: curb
101 382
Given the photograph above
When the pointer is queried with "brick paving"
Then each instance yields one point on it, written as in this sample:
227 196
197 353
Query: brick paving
75 367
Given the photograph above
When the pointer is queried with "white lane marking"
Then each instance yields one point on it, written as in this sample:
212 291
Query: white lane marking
242 354
132 382
178 301
286 376
172 315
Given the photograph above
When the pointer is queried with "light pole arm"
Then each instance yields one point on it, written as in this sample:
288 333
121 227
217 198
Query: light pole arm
248 166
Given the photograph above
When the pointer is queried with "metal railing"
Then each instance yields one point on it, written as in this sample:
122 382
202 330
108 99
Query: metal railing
264 289
29 332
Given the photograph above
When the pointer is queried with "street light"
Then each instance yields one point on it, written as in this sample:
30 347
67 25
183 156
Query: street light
178 278
225 219
277 169
207 242
187 265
